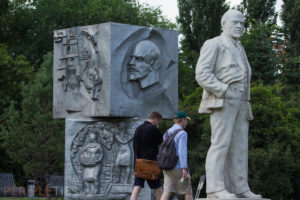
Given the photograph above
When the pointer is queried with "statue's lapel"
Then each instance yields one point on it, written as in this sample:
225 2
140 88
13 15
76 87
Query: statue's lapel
233 50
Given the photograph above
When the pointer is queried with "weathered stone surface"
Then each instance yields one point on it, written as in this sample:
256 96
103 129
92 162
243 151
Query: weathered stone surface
99 158
115 70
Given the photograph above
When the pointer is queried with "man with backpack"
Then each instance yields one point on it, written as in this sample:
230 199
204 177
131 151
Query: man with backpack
147 137
177 179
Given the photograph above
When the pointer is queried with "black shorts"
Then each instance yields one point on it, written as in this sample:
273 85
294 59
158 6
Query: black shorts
152 184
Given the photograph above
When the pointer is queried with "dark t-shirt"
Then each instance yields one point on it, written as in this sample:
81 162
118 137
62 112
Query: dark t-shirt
147 137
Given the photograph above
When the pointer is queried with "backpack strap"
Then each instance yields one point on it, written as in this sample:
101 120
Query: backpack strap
173 134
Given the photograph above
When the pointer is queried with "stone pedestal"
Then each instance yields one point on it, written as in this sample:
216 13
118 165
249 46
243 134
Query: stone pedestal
99 158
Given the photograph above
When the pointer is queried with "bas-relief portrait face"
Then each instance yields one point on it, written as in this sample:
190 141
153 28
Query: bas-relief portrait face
144 63
233 24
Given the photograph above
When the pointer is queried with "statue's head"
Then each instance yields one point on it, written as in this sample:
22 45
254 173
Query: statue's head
107 138
122 125
92 135
233 23
144 64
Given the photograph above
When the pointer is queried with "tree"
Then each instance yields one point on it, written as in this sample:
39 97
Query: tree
259 46
290 73
198 20
30 136
28 27
290 16
186 79
274 141
261 11
13 71
290 69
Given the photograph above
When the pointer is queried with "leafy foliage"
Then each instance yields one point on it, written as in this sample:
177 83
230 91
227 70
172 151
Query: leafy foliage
14 71
198 21
290 73
274 140
258 44
186 76
28 27
290 69
261 11
30 136
290 16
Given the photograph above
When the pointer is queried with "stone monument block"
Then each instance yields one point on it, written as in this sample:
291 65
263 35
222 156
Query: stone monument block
115 70
99 158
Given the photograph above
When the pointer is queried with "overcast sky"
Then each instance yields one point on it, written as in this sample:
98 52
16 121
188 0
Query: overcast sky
170 10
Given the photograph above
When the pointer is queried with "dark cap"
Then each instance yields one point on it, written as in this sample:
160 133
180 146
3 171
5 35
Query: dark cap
181 114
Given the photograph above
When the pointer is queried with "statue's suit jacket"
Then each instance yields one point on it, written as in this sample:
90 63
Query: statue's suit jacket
219 66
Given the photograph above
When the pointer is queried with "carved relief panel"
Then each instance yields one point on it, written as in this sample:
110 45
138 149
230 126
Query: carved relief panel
99 158
115 70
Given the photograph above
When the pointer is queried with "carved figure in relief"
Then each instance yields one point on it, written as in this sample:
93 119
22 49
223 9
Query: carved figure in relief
70 63
123 160
107 137
73 82
144 65
79 62
90 159
92 80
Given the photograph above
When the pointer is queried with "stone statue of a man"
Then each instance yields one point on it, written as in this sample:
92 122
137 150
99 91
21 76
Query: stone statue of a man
224 73
144 64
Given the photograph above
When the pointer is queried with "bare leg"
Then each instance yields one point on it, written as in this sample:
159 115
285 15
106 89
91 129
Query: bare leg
165 196
135 193
158 193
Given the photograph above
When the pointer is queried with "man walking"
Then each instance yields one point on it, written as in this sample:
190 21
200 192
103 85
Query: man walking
177 180
224 73
147 137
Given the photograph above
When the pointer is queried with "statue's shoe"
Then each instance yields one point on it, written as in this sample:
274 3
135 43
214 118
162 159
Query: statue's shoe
221 194
249 194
